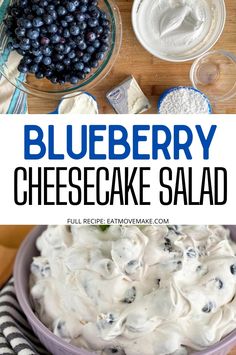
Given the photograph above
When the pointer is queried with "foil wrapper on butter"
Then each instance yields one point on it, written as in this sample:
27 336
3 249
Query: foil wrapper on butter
128 98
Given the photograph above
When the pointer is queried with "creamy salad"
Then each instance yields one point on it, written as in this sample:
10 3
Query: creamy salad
129 290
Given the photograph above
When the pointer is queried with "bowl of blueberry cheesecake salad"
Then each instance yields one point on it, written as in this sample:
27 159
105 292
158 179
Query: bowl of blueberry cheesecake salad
130 290
59 48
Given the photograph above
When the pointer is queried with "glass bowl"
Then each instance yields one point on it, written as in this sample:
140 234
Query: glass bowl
43 87
215 74
174 54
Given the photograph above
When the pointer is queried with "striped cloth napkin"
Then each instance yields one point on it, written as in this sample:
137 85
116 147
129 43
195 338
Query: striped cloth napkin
12 100
16 335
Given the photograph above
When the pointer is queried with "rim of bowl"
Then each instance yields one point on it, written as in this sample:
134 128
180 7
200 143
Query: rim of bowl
222 345
166 58
95 78
232 92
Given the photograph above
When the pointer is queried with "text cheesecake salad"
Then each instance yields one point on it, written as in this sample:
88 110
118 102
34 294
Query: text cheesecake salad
131 290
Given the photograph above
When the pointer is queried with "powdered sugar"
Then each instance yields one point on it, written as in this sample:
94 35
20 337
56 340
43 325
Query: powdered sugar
184 100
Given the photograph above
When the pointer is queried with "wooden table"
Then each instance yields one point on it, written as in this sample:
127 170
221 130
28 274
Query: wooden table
153 75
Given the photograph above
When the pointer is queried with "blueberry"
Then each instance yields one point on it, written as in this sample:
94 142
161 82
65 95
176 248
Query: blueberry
33 68
24 22
67 61
69 18
44 31
55 38
48 73
105 38
67 49
106 30
81 75
70 6
23 3
82 45
74 30
20 51
82 25
61 81
80 17
54 79
15 12
64 23
99 55
24 47
32 34
59 67
86 70
38 59
26 60
61 10
36 52
16 45
90 36
103 15
233 269
191 253
53 13
71 54
66 33
92 22
104 48
43 3
93 2
48 20
83 8
39 75
208 307
59 47
219 283
59 57
86 57
47 60
51 7
62 40
44 41
40 11
52 28
47 51
98 30
23 68
79 66
96 43
95 13
75 60
20 31
35 44
74 79
90 49
37 22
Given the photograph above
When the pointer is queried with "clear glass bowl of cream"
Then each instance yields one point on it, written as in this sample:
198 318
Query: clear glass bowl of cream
178 30
214 73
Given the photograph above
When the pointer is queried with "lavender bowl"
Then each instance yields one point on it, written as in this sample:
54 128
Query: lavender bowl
55 345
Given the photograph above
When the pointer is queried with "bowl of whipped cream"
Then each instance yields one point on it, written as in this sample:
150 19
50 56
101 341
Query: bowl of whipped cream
130 290
178 30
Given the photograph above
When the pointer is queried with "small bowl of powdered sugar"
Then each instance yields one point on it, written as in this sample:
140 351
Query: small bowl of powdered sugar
183 100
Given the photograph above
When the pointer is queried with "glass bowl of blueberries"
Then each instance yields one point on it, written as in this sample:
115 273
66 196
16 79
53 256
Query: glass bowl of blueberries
58 48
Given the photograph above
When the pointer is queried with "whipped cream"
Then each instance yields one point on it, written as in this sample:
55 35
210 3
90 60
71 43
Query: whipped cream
136 290
173 26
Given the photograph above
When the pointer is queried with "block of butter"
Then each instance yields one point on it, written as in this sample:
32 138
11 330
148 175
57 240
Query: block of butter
127 97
